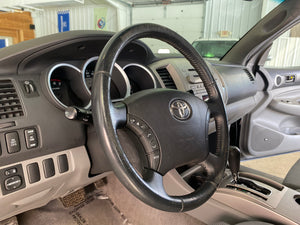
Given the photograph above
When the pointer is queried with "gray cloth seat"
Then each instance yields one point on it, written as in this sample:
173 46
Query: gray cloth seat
292 178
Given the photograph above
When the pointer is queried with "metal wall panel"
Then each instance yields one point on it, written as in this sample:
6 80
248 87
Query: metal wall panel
81 18
186 20
285 52
237 17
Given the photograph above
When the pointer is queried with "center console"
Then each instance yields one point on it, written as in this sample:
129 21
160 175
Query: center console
237 202
241 196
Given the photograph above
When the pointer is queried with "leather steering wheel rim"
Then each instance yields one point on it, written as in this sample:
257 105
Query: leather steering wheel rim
108 117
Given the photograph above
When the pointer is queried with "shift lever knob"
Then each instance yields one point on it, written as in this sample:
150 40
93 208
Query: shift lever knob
234 162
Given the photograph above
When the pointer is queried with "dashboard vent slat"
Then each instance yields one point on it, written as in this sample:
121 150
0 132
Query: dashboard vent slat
251 77
166 78
10 105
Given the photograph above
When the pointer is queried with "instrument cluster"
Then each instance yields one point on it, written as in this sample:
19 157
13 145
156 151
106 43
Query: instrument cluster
71 85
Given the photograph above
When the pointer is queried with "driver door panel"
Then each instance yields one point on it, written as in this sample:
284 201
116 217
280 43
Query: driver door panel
274 126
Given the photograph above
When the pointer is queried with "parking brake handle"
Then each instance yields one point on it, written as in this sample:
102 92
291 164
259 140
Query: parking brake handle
234 162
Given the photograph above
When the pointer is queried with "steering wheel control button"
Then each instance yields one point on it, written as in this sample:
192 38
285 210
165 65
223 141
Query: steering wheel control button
137 125
33 173
145 134
31 138
12 142
63 165
48 166
13 183
180 109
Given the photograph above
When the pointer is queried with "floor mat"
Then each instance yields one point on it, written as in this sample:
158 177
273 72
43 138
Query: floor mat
109 204
138 213
96 209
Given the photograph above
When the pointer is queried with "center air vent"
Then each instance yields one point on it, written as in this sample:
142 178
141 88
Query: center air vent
10 105
166 78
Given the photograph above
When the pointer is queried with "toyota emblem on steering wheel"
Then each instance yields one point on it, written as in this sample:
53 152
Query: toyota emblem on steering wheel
180 110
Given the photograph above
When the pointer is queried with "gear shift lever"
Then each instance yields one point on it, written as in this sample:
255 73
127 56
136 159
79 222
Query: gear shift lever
234 162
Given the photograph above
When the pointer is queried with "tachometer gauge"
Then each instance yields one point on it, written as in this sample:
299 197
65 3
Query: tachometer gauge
66 87
55 84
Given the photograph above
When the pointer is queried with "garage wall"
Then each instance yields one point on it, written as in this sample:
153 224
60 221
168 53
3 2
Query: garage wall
285 52
268 5
237 17
187 20
81 18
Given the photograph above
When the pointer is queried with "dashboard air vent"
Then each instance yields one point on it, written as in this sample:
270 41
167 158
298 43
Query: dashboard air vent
10 105
166 78
251 77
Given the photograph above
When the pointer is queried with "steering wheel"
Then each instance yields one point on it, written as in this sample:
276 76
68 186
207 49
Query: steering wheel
171 125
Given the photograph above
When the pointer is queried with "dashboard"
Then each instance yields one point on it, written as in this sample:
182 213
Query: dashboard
43 154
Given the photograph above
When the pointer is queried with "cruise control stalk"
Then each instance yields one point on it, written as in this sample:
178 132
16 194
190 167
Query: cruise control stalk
75 113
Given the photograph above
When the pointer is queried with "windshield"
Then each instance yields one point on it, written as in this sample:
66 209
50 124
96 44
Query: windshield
213 26
213 49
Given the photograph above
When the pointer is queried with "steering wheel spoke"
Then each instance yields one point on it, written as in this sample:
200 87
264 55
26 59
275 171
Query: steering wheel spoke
155 182
213 164
118 114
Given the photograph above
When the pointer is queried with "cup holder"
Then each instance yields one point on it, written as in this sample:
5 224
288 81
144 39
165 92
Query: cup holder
297 199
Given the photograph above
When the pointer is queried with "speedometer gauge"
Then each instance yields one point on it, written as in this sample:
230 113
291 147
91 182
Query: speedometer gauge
120 87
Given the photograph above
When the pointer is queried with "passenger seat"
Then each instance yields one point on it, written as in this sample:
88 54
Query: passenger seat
292 178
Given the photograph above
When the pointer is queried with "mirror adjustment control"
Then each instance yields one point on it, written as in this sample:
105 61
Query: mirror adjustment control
31 138
12 183
12 179
10 171
12 142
